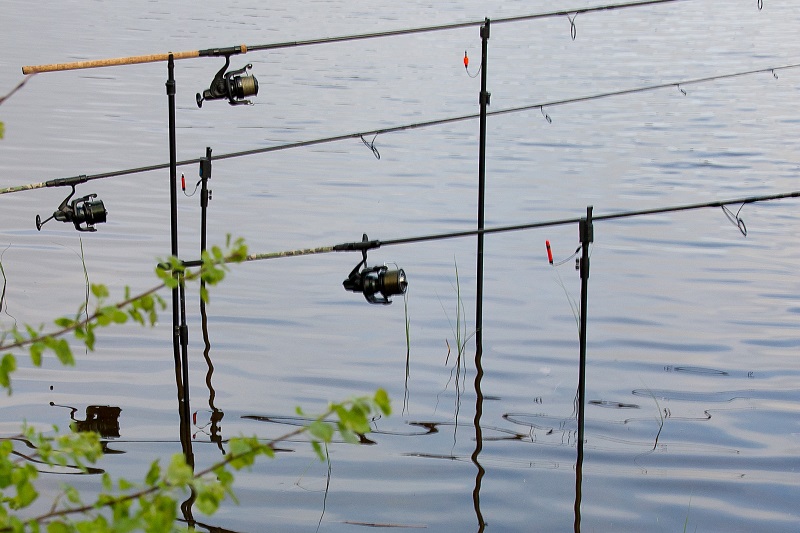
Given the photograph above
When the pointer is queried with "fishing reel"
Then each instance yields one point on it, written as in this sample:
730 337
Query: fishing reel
83 212
234 85
377 283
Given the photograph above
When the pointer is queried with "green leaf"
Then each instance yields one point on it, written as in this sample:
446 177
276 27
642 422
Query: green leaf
321 430
349 436
36 350
136 316
118 316
383 402
153 474
318 450
57 527
179 473
7 365
63 352
64 322
32 333
89 338
72 494
26 494
99 291
2 130
244 450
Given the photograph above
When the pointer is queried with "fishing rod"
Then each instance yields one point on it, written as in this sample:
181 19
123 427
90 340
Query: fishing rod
243 49
394 129
367 244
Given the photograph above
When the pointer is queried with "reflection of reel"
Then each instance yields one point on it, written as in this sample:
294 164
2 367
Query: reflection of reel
85 210
101 419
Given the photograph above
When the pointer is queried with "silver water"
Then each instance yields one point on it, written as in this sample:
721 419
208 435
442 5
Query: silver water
692 419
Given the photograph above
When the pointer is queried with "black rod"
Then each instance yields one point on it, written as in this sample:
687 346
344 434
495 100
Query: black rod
418 125
484 103
359 246
241 49
179 336
186 409
586 230
483 100
205 196
458 25
173 200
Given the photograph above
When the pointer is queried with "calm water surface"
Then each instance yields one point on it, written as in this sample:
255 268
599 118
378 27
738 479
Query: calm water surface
693 412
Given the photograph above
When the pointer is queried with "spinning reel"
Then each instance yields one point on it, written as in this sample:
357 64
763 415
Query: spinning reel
377 283
234 85
85 210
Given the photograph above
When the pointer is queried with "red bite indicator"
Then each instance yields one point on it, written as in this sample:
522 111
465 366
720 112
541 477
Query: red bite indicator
549 252
183 182
466 60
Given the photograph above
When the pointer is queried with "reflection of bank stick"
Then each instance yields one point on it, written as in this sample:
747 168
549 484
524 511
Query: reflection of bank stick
211 428
102 419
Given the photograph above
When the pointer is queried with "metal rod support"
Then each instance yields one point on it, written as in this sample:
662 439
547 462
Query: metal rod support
484 103
586 231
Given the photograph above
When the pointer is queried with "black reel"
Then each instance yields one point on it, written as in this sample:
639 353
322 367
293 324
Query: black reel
234 85
83 212
377 283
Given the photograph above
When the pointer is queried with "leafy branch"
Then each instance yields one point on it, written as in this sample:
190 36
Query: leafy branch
156 495
141 308
150 505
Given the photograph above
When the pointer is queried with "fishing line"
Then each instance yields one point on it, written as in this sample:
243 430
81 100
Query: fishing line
371 146
573 31
395 129
568 259
3 302
735 220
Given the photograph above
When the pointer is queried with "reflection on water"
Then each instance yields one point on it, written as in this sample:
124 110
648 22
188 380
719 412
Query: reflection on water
102 419
691 365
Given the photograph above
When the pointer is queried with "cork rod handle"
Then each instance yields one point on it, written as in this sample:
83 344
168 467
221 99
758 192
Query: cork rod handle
131 60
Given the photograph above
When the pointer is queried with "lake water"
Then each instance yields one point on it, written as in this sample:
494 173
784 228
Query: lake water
693 403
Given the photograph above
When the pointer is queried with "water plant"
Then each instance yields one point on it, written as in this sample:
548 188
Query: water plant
461 334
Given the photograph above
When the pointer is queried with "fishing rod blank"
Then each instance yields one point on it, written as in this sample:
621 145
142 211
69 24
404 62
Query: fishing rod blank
395 129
